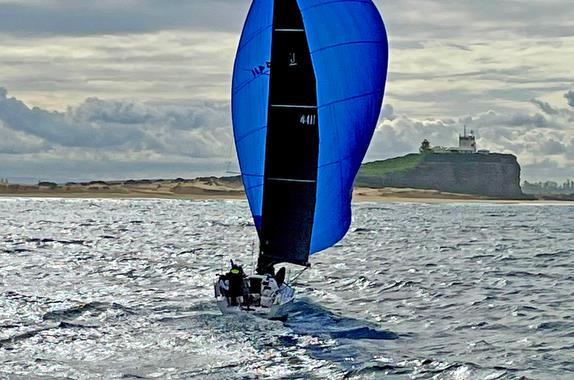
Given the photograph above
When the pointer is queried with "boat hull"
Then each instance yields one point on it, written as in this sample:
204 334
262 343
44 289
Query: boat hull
276 307
275 312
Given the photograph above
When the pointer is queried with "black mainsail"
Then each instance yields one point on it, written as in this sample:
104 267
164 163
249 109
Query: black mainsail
290 183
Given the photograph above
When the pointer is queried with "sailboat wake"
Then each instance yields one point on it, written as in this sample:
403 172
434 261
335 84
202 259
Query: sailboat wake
331 338
310 318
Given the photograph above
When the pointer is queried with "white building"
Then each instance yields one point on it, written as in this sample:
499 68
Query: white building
466 145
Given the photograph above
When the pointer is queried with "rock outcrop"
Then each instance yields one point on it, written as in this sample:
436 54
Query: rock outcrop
491 175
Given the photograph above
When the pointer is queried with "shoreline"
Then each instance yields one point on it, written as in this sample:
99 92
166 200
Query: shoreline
231 188
358 197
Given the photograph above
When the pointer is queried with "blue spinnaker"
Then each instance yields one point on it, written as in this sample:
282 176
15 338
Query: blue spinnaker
348 49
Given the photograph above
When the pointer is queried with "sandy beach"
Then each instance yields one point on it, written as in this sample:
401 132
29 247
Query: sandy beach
222 188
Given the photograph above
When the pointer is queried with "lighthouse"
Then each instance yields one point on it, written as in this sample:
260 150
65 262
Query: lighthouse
467 142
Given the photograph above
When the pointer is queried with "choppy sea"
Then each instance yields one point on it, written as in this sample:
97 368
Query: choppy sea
94 289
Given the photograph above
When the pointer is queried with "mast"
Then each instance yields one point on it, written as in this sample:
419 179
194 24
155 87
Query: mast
292 143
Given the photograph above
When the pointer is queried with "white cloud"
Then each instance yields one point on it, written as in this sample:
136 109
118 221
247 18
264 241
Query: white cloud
543 142
114 139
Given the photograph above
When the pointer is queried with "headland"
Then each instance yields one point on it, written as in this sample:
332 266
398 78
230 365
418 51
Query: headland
435 174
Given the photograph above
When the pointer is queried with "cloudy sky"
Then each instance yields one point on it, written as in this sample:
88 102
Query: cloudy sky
140 88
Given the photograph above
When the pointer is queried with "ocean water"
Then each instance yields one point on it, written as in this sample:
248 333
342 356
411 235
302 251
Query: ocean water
94 289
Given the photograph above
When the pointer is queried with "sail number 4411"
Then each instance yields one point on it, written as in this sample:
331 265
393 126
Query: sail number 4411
308 119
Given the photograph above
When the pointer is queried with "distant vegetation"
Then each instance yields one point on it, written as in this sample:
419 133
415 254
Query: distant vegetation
51 185
398 164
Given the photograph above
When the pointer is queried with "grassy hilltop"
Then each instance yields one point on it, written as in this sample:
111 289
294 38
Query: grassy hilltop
378 168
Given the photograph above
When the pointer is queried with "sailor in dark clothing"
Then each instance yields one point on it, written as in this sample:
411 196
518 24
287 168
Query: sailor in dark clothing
236 285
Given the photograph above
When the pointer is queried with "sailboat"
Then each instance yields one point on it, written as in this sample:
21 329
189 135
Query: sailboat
308 86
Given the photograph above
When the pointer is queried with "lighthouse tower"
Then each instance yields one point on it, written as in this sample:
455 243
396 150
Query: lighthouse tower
467 142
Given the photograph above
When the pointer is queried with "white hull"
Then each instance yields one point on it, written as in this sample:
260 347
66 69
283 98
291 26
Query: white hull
273 312
276 306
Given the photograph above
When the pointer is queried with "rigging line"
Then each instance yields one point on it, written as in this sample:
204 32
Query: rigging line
239 139
253 36
253 257
246 83
375 42
292 281
377 92
228 159
292 180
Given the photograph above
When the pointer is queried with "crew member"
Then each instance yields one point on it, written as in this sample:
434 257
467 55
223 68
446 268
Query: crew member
236 285
223 286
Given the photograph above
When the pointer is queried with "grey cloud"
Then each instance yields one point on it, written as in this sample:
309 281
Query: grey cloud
404 17
545 107
570 98
17 142
552 147
467 17
96 110
111 17
194 130
524 121
165 65
461 47
114 140
197 129
57 128
388 112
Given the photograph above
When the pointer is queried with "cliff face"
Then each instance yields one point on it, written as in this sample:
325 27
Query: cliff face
493 175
